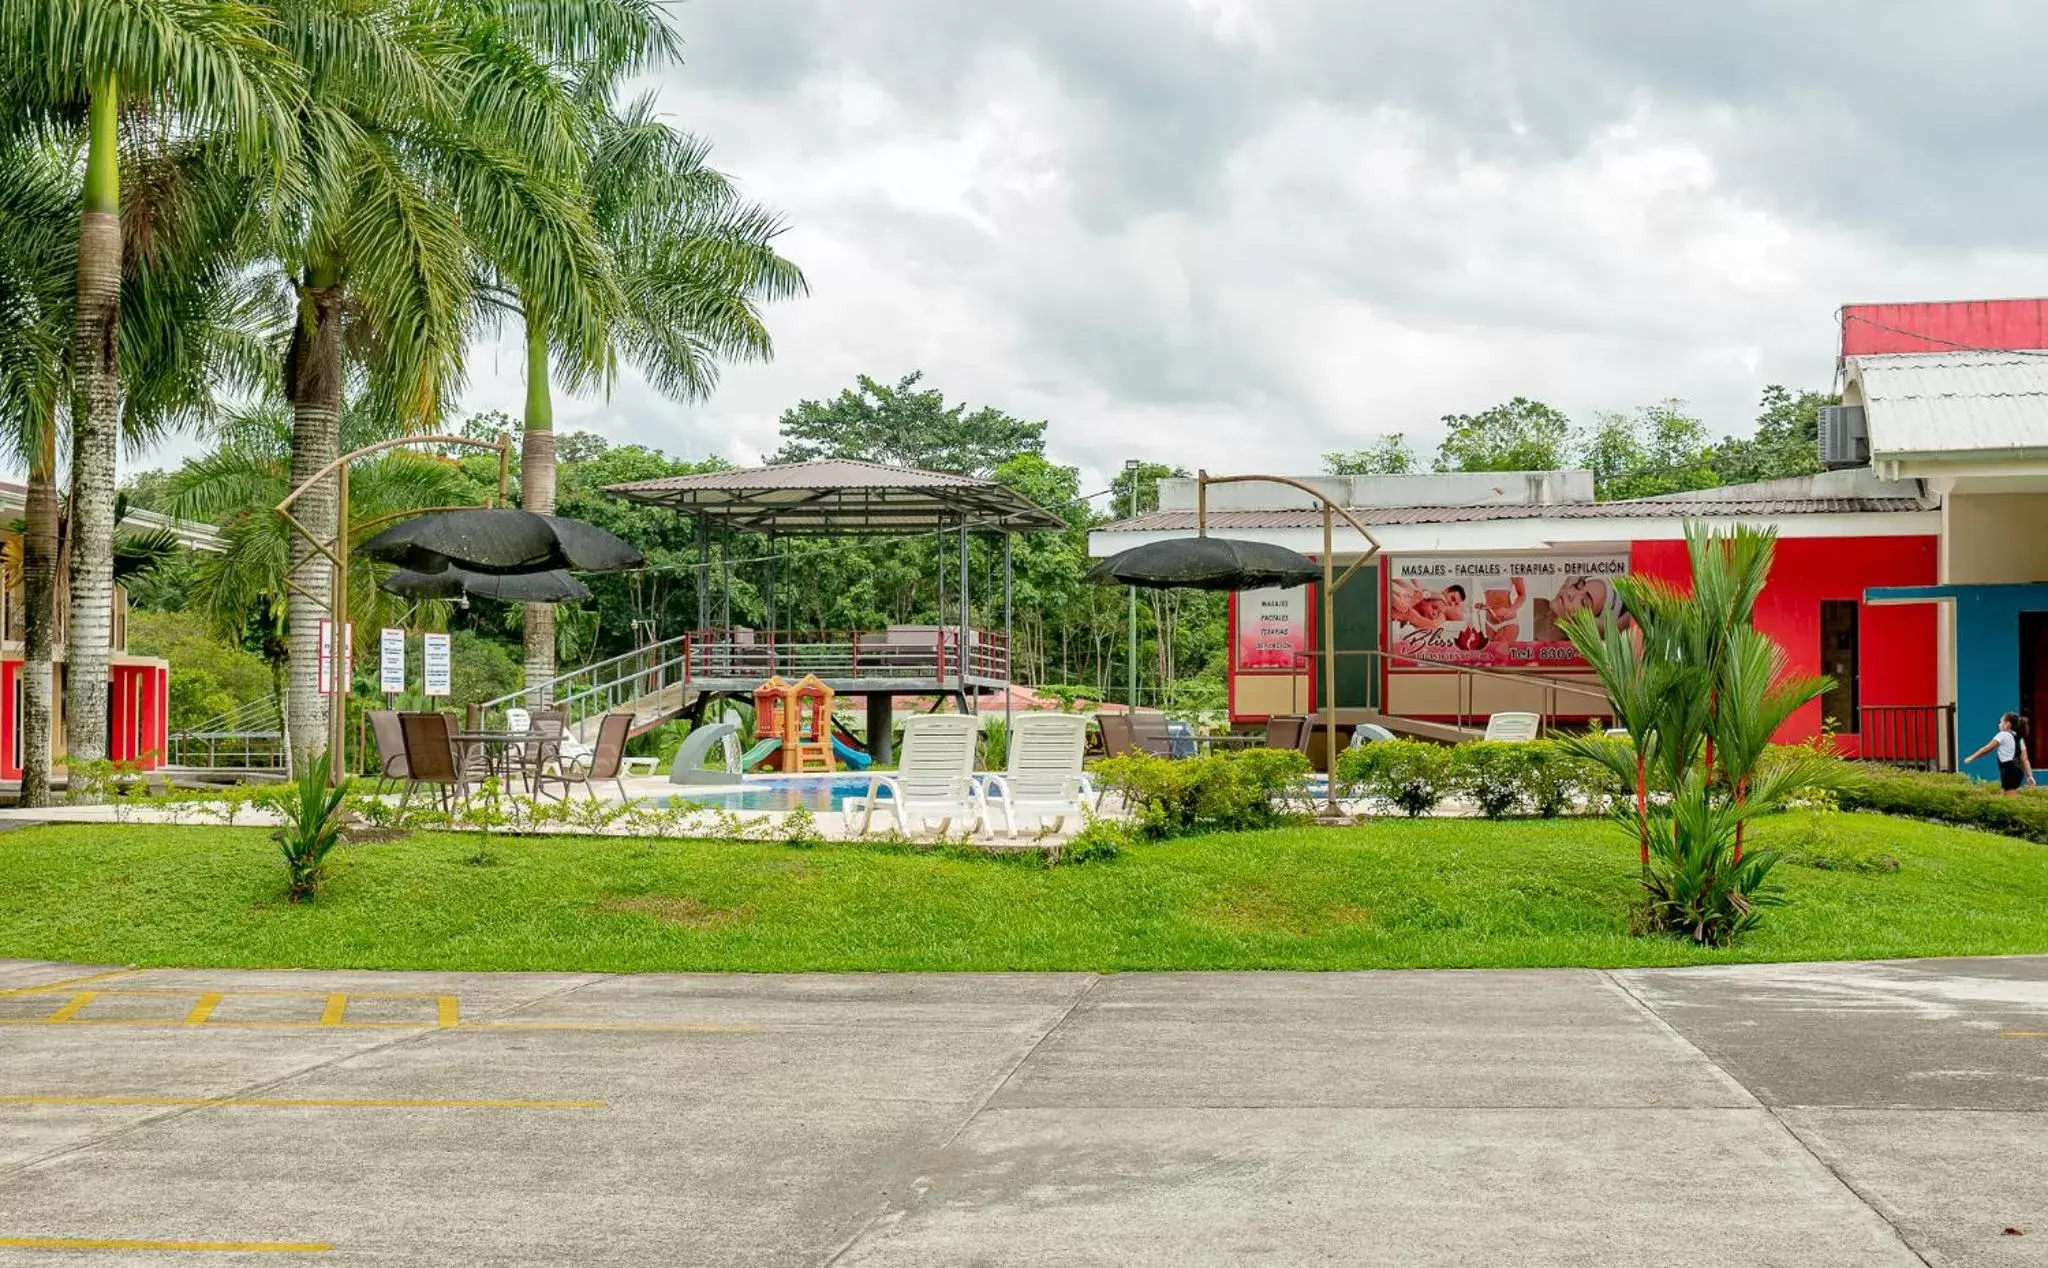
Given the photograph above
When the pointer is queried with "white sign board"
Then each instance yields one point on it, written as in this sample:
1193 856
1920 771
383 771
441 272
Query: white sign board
326 685
391 665
1272 630
434 662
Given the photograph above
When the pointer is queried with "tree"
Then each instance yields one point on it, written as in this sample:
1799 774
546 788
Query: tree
1657 449
1388 455
1701 692
437 144
695 262
906 426
1786 442
194 68
1517 435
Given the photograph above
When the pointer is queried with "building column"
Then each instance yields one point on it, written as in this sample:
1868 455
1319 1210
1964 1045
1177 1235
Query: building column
881 721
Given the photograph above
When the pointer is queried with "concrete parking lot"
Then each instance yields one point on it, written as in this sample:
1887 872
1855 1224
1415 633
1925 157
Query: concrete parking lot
1811 1115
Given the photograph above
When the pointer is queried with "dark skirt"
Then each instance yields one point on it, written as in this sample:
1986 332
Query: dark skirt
2009 775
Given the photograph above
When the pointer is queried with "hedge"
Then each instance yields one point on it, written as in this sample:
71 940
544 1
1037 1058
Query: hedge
1951 799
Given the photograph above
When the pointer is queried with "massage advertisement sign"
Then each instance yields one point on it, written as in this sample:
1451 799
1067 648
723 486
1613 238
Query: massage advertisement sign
1272 630
1499 613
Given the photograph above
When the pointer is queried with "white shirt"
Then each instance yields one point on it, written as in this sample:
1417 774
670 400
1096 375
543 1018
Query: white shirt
2008 745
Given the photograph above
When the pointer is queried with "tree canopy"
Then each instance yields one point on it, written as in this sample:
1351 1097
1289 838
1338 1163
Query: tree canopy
906 425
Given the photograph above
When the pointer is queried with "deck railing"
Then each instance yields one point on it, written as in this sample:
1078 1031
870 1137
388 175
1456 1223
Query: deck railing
1922 736
921 654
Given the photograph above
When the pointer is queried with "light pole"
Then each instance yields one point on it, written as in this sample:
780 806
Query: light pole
1131 466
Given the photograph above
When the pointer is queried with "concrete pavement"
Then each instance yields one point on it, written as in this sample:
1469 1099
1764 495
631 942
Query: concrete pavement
1811 1115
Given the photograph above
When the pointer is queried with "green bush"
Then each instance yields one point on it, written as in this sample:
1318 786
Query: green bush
1954 799
1099 842
312 827
1221 792
1492 775
1411 774
208 677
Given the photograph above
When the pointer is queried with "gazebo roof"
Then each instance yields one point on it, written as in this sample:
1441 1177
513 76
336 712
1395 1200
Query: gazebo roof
842 496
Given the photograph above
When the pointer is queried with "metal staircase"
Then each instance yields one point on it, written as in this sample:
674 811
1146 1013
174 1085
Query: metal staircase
652 681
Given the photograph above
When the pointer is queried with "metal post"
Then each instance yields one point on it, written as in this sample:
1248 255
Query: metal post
337 608
966 613
725 588
703 573
768 599
1131 646
1009 637
1329 664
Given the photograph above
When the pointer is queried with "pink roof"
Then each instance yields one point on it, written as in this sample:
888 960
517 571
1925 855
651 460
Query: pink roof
2001 325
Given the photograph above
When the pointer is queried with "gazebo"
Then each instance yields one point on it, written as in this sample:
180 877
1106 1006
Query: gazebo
840 497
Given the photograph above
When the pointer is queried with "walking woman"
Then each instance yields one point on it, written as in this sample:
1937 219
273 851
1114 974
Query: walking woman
2014 771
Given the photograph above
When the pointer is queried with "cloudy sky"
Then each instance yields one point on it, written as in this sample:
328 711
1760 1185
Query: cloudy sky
1237 233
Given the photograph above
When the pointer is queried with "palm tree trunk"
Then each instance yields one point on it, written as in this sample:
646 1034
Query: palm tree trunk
95 436
313 373
39 617
537 491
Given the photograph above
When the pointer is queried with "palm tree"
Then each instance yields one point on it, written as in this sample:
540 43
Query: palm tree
207 66
1701 692
429 142
695 260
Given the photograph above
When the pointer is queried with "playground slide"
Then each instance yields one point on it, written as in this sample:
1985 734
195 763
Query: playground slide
850 755
759 753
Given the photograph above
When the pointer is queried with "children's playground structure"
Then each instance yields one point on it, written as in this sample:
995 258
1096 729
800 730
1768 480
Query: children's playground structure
684 674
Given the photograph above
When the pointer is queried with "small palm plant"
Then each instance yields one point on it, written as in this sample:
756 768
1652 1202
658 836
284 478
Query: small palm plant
1701 691
312 827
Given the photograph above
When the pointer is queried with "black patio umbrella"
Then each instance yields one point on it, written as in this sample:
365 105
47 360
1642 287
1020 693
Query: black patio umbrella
501 542
457 583
1206 563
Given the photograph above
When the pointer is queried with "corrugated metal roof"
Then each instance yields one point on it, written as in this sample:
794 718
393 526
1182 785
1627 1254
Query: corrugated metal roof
1954 402
1645 508
842 496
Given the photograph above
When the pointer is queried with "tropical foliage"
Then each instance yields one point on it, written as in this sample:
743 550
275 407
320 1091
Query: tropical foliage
1701 691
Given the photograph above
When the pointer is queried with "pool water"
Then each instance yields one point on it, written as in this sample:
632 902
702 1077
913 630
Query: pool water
816 793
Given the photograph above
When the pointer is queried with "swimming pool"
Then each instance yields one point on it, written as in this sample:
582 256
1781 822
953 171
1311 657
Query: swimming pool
816 793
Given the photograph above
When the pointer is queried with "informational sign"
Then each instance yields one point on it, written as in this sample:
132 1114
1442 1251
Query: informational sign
1272 630
348 652
391 663
1499 612
434 664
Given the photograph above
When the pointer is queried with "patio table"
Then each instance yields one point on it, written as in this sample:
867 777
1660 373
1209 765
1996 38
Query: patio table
497 749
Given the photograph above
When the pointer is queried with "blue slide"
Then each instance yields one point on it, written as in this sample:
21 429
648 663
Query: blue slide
850 755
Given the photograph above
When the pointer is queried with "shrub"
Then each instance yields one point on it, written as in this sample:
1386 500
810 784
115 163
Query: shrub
1953 799
312 826
1100 841
1411 774
1494 776
1220 792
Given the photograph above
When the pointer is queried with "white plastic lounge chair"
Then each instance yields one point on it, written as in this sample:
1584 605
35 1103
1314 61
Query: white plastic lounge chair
1044 776
1513 728
934 776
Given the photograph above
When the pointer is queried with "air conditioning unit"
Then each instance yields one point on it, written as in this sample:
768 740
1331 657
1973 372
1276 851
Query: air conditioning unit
1844 439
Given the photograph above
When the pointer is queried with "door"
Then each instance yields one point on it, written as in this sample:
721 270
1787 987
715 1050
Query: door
1838 644
2034 679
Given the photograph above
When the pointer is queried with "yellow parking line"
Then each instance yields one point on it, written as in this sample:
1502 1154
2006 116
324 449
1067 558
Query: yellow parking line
67 983
449 1012
190 991
336 1010
203 1009
72 1009
126 1243
301 1102
253 1023
2023 1034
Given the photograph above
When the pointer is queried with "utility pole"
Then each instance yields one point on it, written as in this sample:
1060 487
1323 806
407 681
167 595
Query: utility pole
1131 466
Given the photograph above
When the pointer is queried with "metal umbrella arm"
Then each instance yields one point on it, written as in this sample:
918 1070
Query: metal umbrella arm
1331 581
337 551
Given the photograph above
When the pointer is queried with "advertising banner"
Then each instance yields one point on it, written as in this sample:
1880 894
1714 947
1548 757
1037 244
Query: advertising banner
391 663
1497 613
434 664
1272 630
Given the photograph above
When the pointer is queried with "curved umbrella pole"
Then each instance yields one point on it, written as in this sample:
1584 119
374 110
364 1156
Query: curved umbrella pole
1331 812
336 550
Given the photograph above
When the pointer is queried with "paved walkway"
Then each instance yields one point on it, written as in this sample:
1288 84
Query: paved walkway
1809 1115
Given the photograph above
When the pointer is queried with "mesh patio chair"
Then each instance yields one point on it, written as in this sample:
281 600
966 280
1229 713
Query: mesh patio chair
390 739
606 761
430 757
1288 730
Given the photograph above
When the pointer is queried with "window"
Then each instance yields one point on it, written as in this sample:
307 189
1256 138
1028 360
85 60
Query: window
1838 642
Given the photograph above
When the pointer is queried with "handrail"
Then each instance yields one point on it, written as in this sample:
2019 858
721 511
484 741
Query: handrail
1553 687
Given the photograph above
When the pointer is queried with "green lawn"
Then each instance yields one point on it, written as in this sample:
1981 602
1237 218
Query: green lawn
1390 895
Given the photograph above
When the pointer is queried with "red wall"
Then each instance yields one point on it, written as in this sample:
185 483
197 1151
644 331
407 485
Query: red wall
1870 329
1897 643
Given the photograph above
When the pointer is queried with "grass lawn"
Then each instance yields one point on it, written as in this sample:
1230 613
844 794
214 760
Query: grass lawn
1394 894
